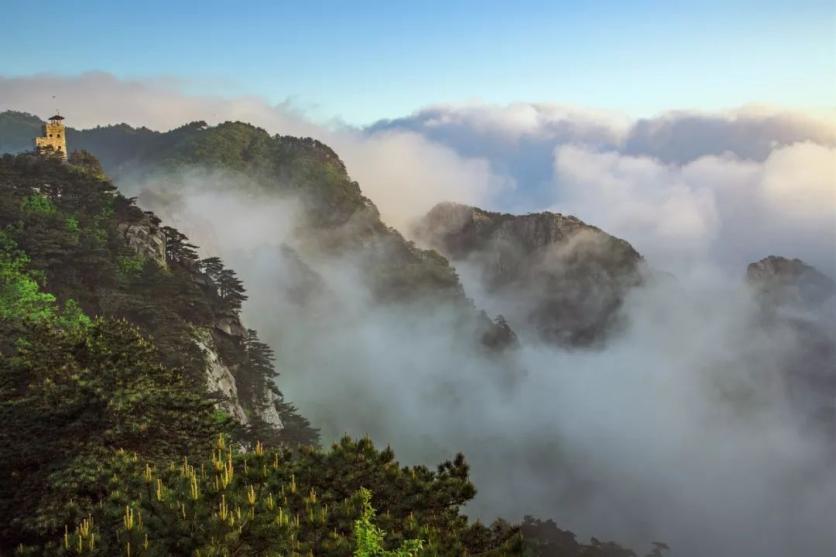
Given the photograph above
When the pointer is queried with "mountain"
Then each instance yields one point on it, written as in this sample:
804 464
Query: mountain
338 219
570 276
125 369
18 131
783 281
799 302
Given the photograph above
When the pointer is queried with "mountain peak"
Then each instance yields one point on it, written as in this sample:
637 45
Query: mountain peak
573 275
782 280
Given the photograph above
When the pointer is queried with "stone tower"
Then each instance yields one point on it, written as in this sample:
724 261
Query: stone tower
54 139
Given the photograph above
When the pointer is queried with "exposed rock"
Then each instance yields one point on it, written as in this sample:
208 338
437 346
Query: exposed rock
782 281
230 325
269 412
146 238
571 276
220 380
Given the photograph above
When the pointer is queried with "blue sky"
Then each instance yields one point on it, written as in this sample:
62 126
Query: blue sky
362 61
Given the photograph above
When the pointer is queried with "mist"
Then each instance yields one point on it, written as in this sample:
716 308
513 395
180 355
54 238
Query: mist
683 428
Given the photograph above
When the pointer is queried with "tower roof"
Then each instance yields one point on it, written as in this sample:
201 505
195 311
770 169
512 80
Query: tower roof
56 117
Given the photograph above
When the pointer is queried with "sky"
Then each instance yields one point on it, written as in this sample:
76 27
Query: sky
359 62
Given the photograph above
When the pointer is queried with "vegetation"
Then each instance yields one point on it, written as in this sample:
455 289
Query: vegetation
276 502
89 246
112 444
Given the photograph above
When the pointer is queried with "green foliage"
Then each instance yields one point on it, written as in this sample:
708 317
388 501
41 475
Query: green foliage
72 318
74 389
130 265
369 538
68 397
67 223
39 204
72 225
86 162
270 502
20 295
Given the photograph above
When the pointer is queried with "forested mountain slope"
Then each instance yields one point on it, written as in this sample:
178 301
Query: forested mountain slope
94 247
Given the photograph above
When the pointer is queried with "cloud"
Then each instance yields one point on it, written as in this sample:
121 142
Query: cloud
680 136
512 123
406 174
722 209
518 140
800 181
749 133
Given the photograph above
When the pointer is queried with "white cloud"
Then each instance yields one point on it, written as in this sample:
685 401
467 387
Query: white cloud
715 208
800 181
406 174
512 122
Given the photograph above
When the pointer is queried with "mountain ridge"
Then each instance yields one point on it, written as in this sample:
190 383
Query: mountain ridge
338 218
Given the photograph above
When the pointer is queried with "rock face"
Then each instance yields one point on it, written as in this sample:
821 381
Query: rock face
223 381
146 238
570 276
782 281
220 382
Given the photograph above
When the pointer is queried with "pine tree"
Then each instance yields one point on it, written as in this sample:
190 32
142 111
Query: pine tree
177 247
231 291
